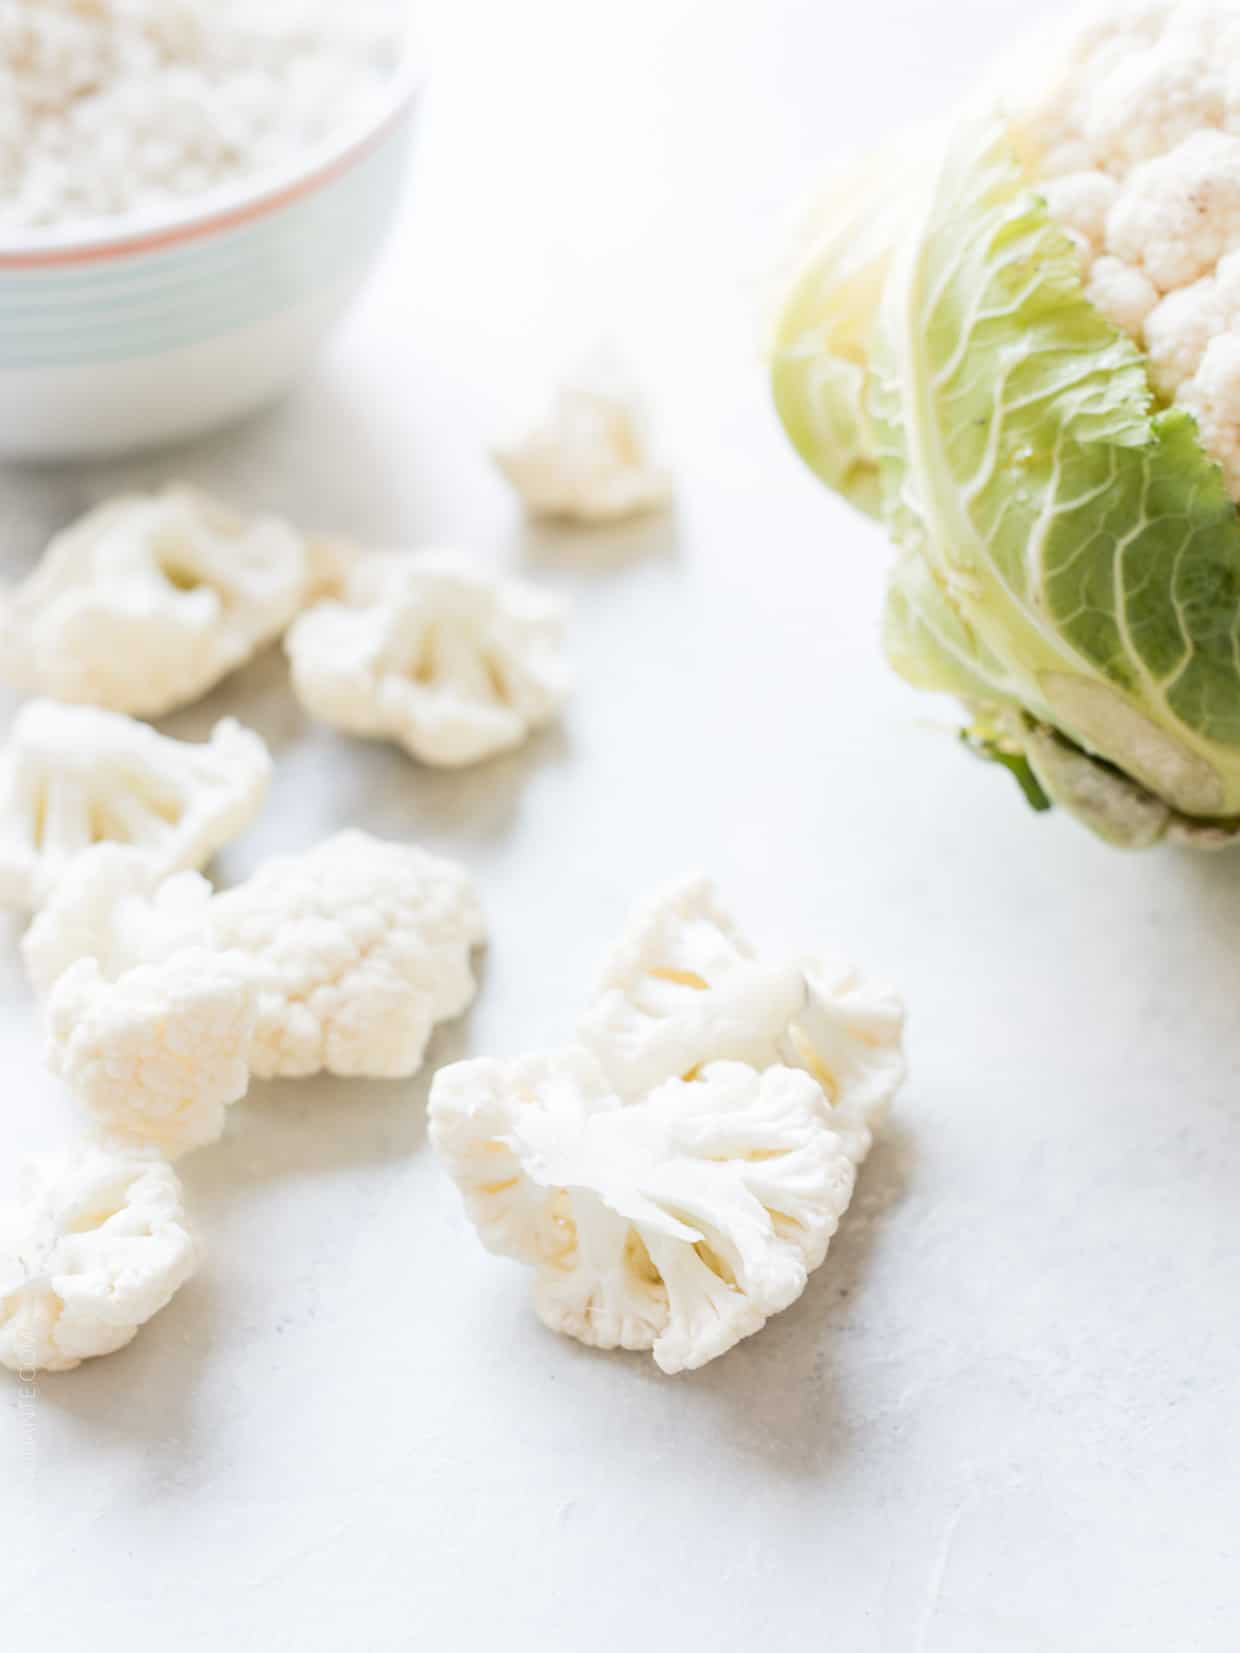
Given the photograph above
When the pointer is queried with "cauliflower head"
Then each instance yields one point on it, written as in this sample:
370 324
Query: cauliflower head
96 1244
683 989
149 602
679 1223
430 652
589 462
1031 370
73 776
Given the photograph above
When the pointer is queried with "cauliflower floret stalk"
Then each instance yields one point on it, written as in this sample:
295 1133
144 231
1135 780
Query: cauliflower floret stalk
73 776
164 1000
148 602
434 653
1023 351
94 1246
683 989
677 1224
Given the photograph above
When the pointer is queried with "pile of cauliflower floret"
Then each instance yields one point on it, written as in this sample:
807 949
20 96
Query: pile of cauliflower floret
674 1177
1132 130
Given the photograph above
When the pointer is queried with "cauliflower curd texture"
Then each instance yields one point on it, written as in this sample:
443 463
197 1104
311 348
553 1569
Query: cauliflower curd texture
1132 133
676 1177
164 1000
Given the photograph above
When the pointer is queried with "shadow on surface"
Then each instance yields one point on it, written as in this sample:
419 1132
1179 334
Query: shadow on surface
325 1127
778 1394
259 695
146 1394
563 548
781 1391
399 798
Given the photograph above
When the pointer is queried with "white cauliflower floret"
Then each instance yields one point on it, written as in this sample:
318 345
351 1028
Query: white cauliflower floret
159 1054
452 663
149 602
850 1037
96 1245
110 907
357 949
164 1000
149 1025
72 776
1081 202
590 462
683 989
1131 130
679 1223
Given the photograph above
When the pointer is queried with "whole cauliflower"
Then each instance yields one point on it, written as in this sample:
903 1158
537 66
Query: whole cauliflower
679 1223
148 602
72 776
589 462
1021 347
683 989
164 1000
96 1245
429 651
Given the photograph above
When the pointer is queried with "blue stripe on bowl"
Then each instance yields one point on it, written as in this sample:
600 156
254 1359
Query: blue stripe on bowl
143 304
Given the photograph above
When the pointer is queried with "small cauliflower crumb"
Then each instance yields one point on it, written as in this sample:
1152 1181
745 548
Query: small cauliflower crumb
590 461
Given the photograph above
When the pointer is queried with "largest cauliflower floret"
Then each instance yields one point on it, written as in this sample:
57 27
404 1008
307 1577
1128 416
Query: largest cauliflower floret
149 601
1037 380
96 1244
678 1224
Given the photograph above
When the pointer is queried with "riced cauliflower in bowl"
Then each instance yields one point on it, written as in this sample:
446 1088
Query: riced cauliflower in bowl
192 193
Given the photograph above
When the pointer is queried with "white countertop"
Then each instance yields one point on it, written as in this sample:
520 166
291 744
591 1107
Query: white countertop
1004 1416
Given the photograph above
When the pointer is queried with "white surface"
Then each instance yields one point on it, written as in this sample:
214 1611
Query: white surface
1003 1417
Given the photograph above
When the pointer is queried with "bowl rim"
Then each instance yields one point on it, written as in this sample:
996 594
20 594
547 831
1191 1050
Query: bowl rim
98 240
